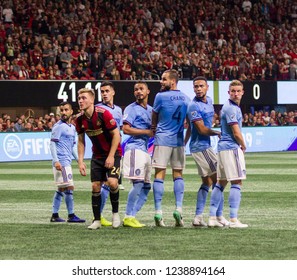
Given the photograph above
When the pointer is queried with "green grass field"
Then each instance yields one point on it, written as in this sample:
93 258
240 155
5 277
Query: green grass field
269 204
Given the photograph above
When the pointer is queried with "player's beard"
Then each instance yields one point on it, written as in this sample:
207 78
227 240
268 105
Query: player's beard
65 118
165 88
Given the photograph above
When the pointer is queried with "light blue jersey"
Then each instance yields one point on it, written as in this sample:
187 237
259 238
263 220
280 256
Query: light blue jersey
116 112
141 118
230 114
171 107
64 136
198 110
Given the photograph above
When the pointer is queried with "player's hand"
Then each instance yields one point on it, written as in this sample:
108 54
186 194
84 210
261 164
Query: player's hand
58 166
243 148
82 169
109 162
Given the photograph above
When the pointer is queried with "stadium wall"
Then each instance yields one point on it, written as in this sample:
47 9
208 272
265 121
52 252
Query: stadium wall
32 146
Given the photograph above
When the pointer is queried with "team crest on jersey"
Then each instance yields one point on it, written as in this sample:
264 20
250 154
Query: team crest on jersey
98 122
194 113
99 109
112 122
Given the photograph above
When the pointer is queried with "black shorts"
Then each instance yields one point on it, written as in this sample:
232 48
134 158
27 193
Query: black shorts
100 173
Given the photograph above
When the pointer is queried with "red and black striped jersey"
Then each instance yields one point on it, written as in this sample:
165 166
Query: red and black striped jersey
98 129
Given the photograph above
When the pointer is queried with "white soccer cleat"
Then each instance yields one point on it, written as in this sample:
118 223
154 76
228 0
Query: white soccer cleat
222 220
116 220
237 224
95 225
121 187
199 222
213 222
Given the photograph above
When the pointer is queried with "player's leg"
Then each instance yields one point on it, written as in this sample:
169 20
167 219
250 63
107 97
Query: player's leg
133 169
58 196
67 174
57 199
112 181
147 170
177 162
98 176
236 174
160 159
104 195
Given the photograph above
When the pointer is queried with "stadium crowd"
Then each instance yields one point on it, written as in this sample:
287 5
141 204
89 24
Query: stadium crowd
46 122
131 40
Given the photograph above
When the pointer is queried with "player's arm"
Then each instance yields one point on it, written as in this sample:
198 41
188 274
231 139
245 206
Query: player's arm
81 145
74 151
238 136
127 129
154 122
54 153
116 140
188 132
204 130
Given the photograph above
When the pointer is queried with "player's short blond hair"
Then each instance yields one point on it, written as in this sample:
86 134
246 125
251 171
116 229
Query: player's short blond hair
235 83
89 90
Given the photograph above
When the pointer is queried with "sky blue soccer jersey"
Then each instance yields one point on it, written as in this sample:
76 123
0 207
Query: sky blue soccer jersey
64 135
116 112
197 111
141 118
230 114
171 107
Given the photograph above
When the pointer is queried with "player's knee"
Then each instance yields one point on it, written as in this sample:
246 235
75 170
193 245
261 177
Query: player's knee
96 186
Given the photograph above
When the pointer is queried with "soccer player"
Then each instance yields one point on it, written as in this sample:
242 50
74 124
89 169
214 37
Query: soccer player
231 162
101 128
62 146
107 95
168 118
137 161
200 114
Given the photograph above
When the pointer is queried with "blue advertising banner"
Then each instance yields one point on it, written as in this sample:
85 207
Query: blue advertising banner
34 146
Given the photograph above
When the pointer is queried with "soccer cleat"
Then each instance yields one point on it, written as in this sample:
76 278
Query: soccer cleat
199 222
75 219
57 220
116 221
178 219
222 220
121 187
132 222
237 224
105 223
213 222
95 225
159 220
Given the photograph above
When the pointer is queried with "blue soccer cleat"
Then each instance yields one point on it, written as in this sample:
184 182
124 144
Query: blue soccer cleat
75 219
57 220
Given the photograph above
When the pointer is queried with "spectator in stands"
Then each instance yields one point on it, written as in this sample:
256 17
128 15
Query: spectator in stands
66 59
83 59
270 73
80 73
28 127
7 13
69 74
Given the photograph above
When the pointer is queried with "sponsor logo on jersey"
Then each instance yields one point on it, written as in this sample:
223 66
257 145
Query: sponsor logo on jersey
112 122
